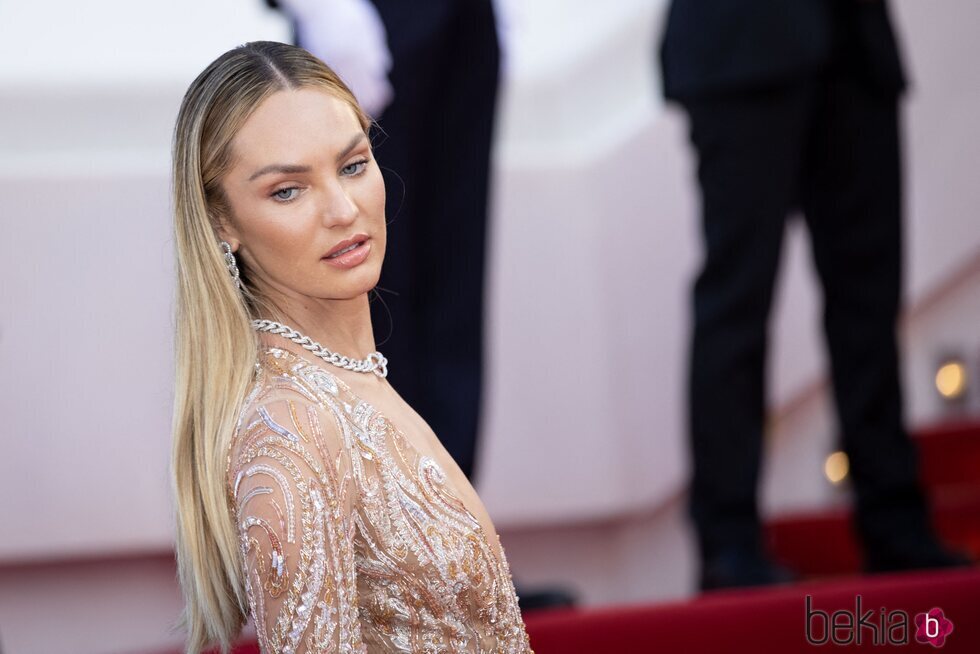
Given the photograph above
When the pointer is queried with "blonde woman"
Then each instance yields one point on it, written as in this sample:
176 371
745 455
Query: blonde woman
309 495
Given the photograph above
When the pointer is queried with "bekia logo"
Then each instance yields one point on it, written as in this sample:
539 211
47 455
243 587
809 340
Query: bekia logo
932 627
844 627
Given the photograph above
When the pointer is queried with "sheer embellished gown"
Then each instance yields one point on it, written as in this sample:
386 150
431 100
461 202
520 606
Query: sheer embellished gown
353 537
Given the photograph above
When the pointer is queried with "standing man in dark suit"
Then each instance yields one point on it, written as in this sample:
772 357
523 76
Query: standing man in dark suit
795 104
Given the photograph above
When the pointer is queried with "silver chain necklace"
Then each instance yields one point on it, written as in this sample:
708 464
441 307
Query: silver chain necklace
374 362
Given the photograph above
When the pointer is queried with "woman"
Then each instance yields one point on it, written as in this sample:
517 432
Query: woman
308 493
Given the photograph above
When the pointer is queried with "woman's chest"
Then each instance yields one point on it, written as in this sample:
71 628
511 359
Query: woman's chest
425 541
416 507
418 451
419 465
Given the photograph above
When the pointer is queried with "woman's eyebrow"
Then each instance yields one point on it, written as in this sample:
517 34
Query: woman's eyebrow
295 168
351 145
279 168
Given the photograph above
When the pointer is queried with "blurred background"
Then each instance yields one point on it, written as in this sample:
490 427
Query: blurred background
593 243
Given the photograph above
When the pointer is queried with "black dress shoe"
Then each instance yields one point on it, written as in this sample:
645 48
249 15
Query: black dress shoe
738 567
912 553
544 598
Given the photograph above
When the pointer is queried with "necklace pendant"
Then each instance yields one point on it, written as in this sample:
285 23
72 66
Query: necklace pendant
380 364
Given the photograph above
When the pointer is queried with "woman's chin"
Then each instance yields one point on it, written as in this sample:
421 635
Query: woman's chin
352 287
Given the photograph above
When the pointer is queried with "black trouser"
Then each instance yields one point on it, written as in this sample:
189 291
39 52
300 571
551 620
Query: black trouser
435 156
829 145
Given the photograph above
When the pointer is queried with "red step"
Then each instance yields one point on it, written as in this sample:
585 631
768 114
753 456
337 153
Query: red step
820 543
949 455
770 619
824 543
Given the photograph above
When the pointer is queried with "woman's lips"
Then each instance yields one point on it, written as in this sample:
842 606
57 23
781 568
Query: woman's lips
346 243
351 256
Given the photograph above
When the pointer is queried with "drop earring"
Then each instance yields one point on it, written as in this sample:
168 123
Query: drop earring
230 263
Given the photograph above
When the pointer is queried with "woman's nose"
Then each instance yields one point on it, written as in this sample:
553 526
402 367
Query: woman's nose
339 207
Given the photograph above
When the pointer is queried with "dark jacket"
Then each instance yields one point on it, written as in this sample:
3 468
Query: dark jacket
712 46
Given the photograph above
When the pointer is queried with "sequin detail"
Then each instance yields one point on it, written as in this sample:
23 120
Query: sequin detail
352 541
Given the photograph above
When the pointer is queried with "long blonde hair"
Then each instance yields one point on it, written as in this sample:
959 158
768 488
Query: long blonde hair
215 344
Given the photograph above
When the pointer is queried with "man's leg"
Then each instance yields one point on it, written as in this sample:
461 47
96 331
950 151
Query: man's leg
749 149
852 203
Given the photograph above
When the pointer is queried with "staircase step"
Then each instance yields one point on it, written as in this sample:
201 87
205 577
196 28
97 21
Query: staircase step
772 619
949 454
824 543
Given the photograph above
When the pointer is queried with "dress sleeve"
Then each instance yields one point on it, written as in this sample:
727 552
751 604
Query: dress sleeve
289 483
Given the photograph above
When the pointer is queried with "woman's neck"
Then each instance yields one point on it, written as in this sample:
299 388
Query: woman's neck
342 326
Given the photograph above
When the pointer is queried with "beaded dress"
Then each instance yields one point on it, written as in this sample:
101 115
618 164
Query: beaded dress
352 539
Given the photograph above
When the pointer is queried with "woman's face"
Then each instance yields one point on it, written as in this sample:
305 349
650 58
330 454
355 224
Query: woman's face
304 185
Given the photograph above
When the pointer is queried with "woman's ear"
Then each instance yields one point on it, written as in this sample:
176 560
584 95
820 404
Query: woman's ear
226 232
232 241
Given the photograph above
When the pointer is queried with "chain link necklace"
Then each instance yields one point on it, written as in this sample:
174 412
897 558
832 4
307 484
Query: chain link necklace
374 362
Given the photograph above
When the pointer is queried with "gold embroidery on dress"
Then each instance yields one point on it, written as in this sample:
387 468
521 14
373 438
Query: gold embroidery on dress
351 539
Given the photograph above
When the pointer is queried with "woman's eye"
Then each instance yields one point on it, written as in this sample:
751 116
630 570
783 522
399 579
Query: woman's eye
355 168
278 194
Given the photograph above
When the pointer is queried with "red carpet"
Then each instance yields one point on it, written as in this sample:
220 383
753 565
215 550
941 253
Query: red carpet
770 620
823 543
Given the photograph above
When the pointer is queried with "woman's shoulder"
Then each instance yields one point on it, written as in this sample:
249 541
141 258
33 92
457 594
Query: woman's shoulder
289 397
281 375
290 489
